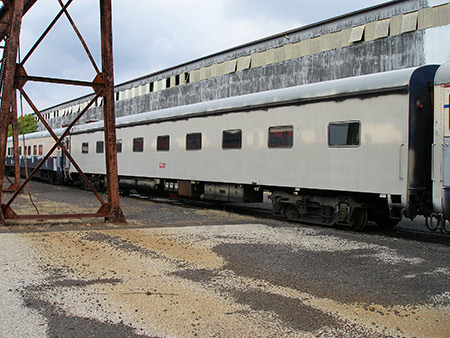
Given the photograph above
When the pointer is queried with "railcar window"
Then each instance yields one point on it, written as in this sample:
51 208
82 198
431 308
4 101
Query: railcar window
20 151
35 150
41 149
232 139
119 145
194 141
138 144
85 148
281 137
163 143
99 147
29 150
344 134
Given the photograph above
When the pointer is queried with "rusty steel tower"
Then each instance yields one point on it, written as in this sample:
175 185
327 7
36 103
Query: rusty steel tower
13 77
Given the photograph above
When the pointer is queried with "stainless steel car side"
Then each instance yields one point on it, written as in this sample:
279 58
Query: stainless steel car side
339 152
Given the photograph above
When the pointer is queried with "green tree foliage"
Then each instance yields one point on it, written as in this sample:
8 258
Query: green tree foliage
29 123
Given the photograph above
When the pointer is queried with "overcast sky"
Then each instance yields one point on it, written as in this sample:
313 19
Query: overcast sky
151 35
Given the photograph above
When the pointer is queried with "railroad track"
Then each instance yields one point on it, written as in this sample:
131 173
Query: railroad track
407 229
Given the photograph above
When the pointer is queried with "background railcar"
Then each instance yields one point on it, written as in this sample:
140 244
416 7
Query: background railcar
32 149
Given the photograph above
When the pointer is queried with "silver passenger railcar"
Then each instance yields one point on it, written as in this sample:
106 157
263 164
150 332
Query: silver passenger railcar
337 152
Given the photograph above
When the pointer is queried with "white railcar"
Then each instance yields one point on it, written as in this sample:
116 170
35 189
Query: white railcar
336 152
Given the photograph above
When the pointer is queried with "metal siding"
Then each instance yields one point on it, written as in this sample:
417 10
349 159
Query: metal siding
218 70
195 76
268 56
441 15
172 81
162 84
409 22
369 33
345 37
205 73
382 29
146 88
257 60
243 63
336 40
231 66
356 34
395 25
425 18
301 48
314 45
278 54
289 51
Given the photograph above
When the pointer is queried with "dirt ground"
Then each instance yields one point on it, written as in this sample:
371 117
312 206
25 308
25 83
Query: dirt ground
183 271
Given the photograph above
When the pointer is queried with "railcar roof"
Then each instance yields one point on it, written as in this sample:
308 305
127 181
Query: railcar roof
372 83
443 74
39 134
365 84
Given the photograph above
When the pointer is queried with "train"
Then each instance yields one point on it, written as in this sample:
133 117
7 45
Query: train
335 153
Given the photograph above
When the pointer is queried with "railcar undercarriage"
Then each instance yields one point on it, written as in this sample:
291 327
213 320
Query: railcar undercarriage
349 210
345 210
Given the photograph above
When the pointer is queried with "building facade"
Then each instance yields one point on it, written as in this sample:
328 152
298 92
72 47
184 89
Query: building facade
394 35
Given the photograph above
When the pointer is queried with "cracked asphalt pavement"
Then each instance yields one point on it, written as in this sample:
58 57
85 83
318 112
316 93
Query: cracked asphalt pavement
178 270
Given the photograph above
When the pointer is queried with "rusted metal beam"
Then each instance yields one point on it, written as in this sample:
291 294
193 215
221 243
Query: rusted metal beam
104 211
13 119
116 214
22 79
48 217
8 86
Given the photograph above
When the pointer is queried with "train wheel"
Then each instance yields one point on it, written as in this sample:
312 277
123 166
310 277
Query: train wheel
446 226
292 212
359 219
